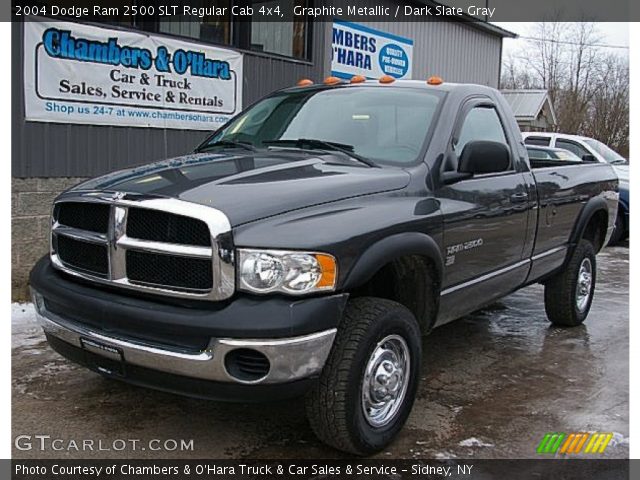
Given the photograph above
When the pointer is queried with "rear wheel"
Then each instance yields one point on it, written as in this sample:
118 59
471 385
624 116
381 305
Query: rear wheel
568 295
366 389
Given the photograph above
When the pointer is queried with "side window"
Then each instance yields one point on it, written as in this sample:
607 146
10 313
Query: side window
572 147
540 141
481 123
537 154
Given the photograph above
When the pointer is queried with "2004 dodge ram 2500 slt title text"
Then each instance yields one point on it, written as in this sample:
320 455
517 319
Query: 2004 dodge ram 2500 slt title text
306 246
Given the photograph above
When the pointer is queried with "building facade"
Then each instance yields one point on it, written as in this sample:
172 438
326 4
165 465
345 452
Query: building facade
52 151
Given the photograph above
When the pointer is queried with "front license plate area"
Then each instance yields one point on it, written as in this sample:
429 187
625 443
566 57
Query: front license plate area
106 359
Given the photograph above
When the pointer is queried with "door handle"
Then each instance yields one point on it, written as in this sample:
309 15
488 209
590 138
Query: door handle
519 197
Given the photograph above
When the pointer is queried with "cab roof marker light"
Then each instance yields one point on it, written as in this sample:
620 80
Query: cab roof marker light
304 82
358 79
434 80
332 81
386 79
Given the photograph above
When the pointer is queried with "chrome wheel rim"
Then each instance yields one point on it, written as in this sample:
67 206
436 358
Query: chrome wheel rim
585 284
385 380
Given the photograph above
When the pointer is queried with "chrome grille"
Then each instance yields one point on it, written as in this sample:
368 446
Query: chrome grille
162 246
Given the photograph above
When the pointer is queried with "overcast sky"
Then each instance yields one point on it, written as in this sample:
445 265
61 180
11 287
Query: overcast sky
612 34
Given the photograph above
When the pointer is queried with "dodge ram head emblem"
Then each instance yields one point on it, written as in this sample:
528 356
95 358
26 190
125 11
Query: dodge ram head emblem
118 196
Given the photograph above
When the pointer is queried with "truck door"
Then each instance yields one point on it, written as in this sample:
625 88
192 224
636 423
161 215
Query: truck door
485 216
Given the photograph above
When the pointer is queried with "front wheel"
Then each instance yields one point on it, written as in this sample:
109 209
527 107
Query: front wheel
568 295
368 385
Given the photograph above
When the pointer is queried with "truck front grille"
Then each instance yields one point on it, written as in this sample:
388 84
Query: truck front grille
166 227
84 256
83 215
169 271
154 245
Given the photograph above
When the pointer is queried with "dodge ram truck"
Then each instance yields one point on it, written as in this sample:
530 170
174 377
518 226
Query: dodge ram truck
305 247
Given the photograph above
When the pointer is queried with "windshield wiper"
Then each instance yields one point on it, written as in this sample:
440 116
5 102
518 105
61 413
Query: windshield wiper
619 162
226 143
324 145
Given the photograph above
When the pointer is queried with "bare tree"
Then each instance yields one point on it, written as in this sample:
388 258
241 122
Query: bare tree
514 77
549 58
588 87
582 59
608 116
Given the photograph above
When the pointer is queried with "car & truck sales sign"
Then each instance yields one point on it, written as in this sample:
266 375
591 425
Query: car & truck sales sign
360 50
91 75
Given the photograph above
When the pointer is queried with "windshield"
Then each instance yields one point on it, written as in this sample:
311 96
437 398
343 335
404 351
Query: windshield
385 125
604 151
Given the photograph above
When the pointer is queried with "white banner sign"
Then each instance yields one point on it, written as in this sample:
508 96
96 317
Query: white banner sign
361 50
77 73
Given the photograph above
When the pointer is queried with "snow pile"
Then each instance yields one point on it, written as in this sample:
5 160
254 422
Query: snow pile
474 442
25 331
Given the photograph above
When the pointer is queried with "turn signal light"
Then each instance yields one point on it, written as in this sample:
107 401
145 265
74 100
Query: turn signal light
305 82
435 80
332 81
386 79
328 266
358 79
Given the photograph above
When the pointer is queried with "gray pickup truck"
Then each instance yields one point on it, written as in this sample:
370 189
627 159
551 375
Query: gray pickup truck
307 246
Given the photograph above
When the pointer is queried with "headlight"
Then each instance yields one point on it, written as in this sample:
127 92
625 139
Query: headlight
265 271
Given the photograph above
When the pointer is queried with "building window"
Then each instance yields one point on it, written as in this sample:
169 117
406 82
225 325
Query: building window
210 29
287 38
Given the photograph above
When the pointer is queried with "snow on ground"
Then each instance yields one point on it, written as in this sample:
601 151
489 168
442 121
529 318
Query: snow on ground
474 442
25 331
619 439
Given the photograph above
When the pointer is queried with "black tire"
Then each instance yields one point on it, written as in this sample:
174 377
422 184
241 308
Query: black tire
618 233
561 301
335 405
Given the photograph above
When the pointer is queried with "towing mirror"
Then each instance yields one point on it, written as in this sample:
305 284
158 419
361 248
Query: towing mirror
484 157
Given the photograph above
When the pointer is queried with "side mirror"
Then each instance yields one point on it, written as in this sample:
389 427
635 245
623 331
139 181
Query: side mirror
484 157
587 157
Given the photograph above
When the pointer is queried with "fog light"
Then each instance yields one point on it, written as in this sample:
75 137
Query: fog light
246 364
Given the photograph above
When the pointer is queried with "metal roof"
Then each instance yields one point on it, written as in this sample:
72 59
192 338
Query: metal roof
527 104
495 29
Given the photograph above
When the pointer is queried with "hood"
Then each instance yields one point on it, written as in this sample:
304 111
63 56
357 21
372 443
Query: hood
256 185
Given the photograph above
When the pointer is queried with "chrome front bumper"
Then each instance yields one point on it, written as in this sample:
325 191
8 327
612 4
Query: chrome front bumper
290 359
